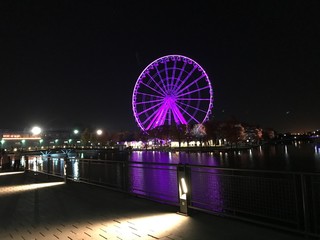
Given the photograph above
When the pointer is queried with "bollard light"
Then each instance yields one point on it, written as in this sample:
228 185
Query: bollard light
183 190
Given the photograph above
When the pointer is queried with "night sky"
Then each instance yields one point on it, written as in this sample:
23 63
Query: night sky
75 63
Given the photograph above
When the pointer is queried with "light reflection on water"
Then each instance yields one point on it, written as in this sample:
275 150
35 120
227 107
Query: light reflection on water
297 156
75 169
292 157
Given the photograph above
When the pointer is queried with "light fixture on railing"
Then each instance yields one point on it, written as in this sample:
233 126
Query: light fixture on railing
183 190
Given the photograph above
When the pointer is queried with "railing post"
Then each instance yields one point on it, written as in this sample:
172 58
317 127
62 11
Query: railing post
26 163
183 189
89 163
36 168
305 206
48 164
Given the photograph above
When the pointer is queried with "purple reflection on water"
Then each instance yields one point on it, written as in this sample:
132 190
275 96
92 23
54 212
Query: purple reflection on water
211 159
297 156
154 181
206 189
153 178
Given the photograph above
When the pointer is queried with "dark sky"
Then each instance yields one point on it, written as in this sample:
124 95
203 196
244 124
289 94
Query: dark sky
75 62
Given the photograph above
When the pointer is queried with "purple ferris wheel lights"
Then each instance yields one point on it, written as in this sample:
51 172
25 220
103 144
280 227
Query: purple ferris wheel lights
172 89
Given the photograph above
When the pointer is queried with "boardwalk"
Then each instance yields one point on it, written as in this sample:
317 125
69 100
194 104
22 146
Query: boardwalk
41 207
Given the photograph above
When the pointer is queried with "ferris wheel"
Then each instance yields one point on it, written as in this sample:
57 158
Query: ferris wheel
173 89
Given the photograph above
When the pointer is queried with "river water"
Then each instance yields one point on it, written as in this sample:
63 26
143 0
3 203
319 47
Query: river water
296 156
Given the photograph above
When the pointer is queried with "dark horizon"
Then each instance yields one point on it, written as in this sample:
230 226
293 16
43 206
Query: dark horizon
75 63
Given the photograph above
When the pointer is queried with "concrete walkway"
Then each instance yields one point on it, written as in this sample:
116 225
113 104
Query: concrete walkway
41 207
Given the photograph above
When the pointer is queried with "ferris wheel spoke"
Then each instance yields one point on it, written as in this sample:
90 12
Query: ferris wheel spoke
193 91
177 90
160 117
148 119
196 120
153 89
166 71
150 95
149 109
175 84
190 106
190 84
173 75
164 86
193 99
164 93
177 115
151 101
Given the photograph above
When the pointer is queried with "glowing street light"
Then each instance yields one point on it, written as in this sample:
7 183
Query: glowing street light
76 131
99 132
36 130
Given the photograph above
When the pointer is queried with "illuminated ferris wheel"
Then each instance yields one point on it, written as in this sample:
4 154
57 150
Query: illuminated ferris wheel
172 89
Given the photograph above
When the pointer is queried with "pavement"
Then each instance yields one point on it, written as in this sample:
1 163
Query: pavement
37 206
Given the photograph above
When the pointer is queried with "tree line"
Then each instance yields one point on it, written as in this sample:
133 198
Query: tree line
231 132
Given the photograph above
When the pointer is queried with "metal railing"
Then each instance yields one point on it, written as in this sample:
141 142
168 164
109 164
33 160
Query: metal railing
286 200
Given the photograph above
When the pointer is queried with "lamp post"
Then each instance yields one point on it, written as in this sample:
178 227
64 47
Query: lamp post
2 142
99 133
75 132
36 132
23 141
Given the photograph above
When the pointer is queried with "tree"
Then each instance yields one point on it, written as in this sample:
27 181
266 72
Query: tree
199 132
178 132
213 131
233 131
85 137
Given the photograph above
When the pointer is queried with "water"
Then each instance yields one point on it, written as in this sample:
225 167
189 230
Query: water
297 157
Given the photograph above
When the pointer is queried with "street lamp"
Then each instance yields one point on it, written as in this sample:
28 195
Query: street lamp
23 141
75 132
99 132
36 130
